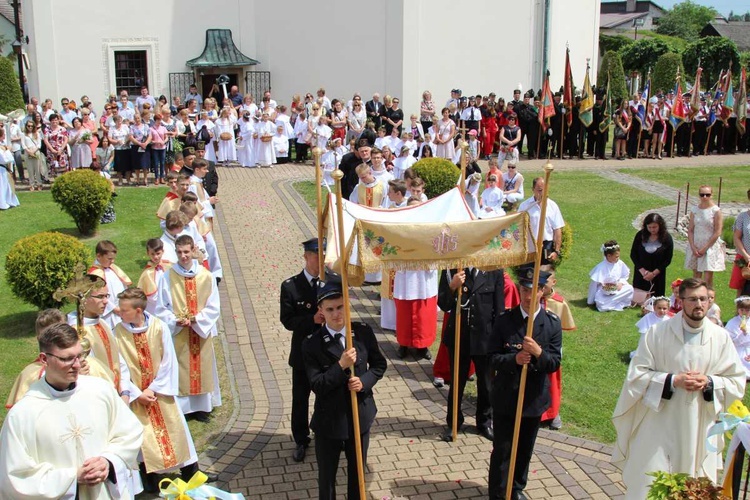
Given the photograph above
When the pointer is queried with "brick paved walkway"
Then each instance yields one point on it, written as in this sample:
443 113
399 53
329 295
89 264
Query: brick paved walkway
260 225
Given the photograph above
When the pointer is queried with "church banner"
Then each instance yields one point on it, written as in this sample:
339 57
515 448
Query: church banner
438 234
486 243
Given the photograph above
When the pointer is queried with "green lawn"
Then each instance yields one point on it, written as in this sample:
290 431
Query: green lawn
136 223
734 185
595 357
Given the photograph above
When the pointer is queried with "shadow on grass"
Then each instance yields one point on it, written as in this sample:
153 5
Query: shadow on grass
624 357
18 325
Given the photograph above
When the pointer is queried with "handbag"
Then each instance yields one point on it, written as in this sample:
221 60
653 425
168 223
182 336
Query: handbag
640 297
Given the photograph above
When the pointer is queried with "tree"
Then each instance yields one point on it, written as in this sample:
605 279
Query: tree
686 20
10 91
665 72
715 54
643 54
612 65
614 42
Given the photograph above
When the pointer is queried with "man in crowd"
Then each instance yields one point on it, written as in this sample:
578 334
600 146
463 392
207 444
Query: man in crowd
235 96
553 224
349 163
300 315
684 373
334 372
143 99
90 439
194 94
510 350
374 109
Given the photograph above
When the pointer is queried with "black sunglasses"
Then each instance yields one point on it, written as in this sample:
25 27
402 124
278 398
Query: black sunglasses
704 195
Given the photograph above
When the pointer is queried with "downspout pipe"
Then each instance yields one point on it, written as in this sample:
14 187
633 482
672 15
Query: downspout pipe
545 40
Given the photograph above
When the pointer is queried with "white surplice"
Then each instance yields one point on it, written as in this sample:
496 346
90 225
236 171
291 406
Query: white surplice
8 198
492 203
204 325
114 287
166 380
48 435
415 285
610 273
658 434
196 187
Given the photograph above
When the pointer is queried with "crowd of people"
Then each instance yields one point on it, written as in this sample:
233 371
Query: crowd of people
172 312
152 346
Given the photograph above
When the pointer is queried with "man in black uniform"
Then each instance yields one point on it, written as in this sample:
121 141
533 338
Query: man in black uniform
299 314
482 299
509 350
334 372
188 155
211 181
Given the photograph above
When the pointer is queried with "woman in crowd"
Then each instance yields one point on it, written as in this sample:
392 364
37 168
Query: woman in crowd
225 131
651 254
119 137
209 106
140 138
90 124
510 138
648 126
79 139
415 128
741 230
185 128
512 184
159 137
47 110
394 117
446 129
56 140
105 118
657 128
388 158
357 119
32 155
705 254
622 127
105 155
248 105
170 124
426 110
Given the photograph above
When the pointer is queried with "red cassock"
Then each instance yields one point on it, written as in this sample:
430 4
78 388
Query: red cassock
442 368
416 322
555 385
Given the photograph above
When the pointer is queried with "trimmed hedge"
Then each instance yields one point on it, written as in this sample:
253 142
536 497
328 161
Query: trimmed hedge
11 98
39 264
439 175
83 194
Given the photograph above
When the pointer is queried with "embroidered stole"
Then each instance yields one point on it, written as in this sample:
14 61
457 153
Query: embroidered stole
147 281
115 269
165 444
105 349
195 355
170 203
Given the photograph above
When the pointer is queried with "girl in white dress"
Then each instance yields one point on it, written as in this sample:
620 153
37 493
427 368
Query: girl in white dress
329 162
206 121
245 149
444 140
706 252
492 200
225 132
659 312
280 145
609 288
264 133
739 328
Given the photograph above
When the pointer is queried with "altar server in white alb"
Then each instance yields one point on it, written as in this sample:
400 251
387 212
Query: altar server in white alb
71 437
609 288
684 373
739 331
188 302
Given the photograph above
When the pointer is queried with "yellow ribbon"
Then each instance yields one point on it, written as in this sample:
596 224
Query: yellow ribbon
177 489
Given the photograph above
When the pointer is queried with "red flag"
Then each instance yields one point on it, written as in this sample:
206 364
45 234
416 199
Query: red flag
547 108
568 90
678 107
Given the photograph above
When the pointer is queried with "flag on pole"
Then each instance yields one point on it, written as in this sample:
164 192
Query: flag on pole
740 107
677 116
695 98
547 108
586 113
727 104
568 101
641 114
607 114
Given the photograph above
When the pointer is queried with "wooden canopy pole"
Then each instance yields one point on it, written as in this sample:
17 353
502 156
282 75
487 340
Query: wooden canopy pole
457 310
317 152
337 176
548 168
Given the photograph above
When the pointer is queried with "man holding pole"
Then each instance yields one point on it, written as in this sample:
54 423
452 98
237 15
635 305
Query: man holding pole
510 350
334 373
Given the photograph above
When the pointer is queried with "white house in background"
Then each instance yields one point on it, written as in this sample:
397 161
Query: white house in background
397 47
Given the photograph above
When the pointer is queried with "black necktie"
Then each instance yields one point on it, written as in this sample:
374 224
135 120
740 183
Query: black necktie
314 283
339 337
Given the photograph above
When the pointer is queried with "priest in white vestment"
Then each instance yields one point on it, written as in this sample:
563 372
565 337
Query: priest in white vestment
70 436
684 373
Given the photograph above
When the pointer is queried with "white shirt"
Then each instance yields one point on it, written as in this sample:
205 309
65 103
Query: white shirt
554 217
